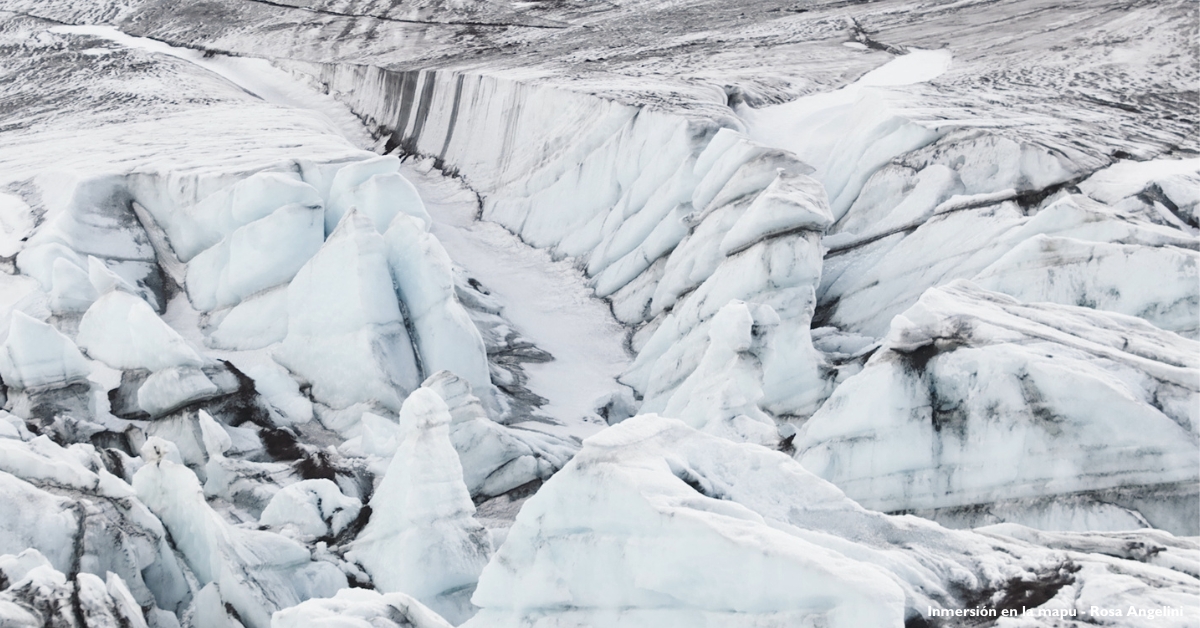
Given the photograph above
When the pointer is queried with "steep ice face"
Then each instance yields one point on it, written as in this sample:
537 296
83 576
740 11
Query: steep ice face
195 228
628 532
977 398
93 221
494 459
254 572
36 355
618 538
446 338
868 281
721 225
422 538
712 216
850 133
346 336
124 332
721 396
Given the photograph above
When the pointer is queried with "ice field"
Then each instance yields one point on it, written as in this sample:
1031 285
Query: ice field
358 314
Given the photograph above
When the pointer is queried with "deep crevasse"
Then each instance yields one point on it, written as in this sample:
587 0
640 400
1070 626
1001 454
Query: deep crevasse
712 245
675 216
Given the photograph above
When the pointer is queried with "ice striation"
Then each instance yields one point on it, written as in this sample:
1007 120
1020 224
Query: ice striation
36 594
626 314
422 538
977 398
645 509
358 608
255 573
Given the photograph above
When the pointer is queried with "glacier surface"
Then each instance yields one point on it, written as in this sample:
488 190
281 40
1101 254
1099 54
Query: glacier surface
623 314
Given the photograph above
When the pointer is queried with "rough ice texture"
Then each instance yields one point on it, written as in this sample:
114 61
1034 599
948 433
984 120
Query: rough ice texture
375 188
346 336
313 507
36 355
444 334
255 572
259 255
495 458
666 164
124 332
360 608
721 396
864 285
664 211
422 538
976 397
35 594
108 531
628 534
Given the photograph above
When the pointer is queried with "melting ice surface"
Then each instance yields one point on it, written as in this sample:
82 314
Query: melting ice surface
257 374
849 132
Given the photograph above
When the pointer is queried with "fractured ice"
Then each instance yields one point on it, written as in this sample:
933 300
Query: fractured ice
301 319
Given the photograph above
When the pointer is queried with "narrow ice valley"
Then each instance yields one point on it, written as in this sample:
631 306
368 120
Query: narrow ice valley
624 314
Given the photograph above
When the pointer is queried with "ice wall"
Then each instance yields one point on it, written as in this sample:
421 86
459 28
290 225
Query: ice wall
976 398
663 211
675 216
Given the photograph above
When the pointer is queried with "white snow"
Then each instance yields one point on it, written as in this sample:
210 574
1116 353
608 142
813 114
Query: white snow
1126 178
849 133
547 300
374 188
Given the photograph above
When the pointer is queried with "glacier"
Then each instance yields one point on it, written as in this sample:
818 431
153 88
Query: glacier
561 314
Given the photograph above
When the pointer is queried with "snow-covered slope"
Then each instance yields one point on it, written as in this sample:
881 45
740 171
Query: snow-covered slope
609 314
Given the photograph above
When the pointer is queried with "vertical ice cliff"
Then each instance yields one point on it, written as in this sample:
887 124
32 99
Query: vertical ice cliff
656 524
346 334
275 357
1088 418
422 538
663 237
837 211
